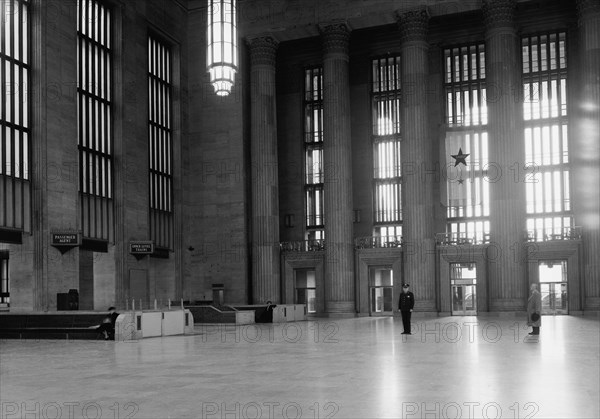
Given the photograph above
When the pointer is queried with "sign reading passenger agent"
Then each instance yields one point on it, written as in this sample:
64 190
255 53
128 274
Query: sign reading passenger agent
141 247
65 239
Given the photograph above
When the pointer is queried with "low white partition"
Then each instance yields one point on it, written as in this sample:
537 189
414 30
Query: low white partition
299 312
129 326
172 323
280 314
135 325
245 317
289 313
188 322
151 323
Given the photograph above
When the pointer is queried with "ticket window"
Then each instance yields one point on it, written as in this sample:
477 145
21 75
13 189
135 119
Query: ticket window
381 290
306 289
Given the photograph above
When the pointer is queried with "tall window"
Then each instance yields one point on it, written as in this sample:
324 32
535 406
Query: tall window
385 102
160 143
468 199
95 119
313 152
546 140
15 188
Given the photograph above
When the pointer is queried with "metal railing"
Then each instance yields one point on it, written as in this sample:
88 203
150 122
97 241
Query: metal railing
551 234
155 304
538 235
461 239
377 242
303 246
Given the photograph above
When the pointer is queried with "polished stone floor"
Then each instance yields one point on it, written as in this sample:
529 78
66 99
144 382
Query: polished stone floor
452 367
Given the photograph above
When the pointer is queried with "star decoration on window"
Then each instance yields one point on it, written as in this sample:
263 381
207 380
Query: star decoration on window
460 157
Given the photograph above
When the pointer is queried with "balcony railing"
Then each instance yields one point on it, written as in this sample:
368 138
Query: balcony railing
460 239
551 234
377 242
303 246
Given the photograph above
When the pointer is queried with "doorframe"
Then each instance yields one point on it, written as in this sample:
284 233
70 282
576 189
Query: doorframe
290 261
371 287
365 258
562 250
463 254
295 289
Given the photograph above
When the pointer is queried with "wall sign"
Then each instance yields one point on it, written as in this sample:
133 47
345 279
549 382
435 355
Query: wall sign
141 248
65 240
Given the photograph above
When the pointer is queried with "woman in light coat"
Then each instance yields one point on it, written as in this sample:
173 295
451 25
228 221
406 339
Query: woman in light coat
534 306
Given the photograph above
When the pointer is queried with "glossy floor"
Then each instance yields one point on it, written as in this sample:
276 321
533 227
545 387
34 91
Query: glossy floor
453 367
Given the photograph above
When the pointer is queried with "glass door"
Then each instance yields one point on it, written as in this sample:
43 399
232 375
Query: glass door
463 281
554 287
381 291
306 289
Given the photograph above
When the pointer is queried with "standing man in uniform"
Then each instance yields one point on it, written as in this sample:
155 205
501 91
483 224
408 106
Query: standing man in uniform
406 304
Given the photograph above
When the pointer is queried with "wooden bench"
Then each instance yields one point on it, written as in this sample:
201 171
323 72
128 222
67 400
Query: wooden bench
56 325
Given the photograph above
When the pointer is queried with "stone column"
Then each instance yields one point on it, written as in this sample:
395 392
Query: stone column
265 189
585 148
53 169
337 158
507 267
416 156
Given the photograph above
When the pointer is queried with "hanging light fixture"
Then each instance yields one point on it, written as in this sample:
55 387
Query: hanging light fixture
222 60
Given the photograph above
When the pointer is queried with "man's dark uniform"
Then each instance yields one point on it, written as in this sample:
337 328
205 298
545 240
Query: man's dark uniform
406 304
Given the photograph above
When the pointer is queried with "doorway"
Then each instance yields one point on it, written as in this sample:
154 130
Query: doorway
381 291
306 289
554 287
463 286
4 282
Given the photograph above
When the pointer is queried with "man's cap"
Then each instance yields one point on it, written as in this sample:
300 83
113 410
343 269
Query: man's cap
405 285
111 308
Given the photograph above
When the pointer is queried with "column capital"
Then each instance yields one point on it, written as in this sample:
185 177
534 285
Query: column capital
336 37
587 9
413 24
263 50
499 14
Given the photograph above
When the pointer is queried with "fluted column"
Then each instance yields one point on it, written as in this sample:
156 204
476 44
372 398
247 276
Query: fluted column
586 148
507 265
53 146
337 158
265 189
416 151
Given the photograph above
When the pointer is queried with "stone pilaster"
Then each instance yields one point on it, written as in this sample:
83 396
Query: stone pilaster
337 157
54 159
585 150
507 267
416 150
265 189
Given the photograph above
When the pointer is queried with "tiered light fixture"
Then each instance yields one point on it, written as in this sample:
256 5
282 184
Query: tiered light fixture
222 60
